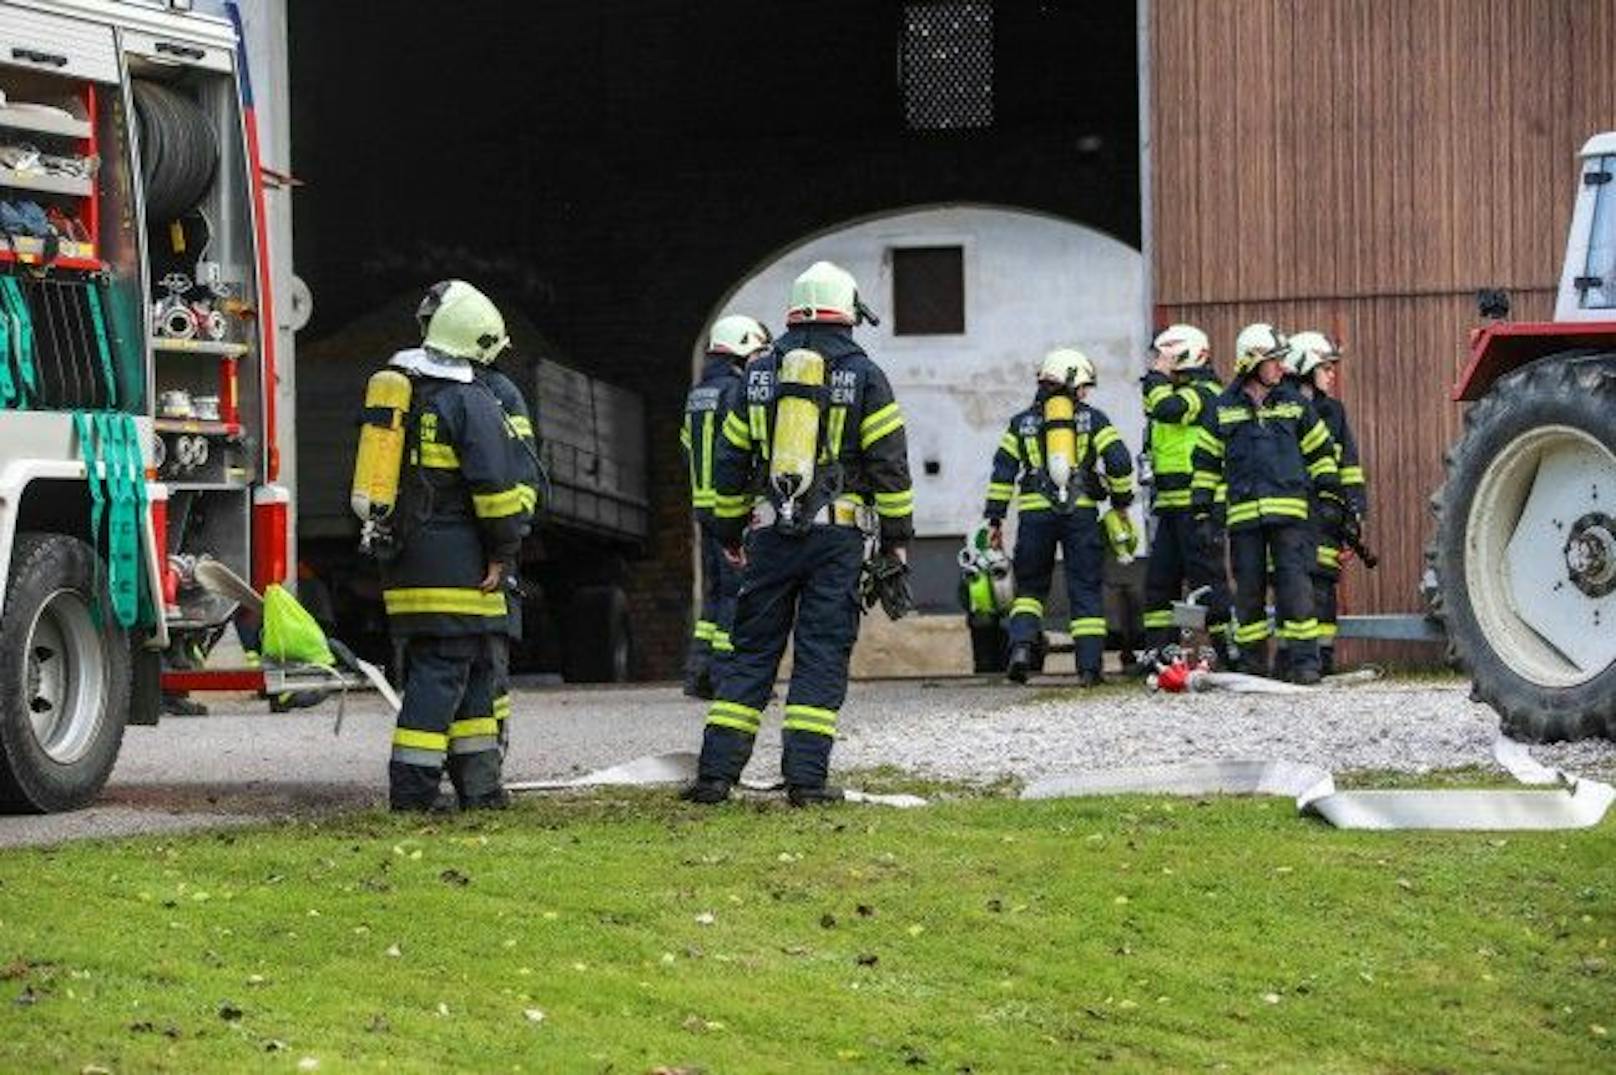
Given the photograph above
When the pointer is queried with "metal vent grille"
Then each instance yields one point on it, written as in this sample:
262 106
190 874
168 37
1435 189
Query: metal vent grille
947 65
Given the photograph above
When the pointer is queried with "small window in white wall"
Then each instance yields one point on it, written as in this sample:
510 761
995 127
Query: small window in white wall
928 291
947 57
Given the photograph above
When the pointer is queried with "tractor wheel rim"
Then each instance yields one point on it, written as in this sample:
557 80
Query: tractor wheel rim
64 677
1540 558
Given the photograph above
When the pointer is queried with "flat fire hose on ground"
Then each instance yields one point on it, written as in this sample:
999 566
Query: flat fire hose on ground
679 767
1575 803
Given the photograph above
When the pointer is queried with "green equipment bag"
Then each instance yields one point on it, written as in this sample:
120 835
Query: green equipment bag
290 634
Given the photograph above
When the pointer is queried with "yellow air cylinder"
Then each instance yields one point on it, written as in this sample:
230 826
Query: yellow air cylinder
381 445
1060 441
796 425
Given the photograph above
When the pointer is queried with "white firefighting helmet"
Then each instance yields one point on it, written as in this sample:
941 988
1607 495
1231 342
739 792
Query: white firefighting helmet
459 321
738 335
1066 366
1184 345
1255 344
1309 351
824 293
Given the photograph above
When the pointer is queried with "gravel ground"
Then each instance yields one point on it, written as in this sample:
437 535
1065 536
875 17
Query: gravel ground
241 764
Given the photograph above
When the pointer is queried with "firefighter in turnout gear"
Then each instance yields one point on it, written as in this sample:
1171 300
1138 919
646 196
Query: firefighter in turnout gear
1268 444
733 340
462 506
821 425
1058 448
1180 390
520 429
1312 361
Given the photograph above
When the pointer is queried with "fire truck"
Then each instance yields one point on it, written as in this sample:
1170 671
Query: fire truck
137 374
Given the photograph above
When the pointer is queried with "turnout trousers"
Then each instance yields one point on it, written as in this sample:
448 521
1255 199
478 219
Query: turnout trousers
452 686
1077 535
1178 563
1326 581
710 643
805 582
1290 547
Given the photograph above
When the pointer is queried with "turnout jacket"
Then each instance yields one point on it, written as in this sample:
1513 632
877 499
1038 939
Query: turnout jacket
863 449
715 395
461 505
524 440
1272 455
1175 409
1348 467
1023 451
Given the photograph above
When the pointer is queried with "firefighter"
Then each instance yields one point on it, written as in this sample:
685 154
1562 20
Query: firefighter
523 438
461 511
1313 360
1268 444
1057 447
733 340
820 423
1180 390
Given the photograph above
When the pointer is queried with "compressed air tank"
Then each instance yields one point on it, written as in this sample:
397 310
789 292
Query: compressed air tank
1060 440
381 445
796 423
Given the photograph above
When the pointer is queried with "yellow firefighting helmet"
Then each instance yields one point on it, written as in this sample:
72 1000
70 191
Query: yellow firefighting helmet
1066 366
824 293
738 335
1255 344
1309 351
1184 345
459 321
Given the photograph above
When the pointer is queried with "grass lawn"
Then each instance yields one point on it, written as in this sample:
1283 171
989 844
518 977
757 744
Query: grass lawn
627 933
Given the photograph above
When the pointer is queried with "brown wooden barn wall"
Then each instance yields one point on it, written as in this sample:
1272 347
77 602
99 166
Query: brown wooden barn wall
1363 167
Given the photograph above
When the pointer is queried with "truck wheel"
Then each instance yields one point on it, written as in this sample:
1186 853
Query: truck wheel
64 677
599 645
1524 559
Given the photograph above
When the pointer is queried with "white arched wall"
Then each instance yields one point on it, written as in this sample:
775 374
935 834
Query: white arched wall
1032 282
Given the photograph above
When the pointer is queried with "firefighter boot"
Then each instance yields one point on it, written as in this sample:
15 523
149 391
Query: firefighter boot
1253 660
724 753
1020 663
1326 660
414 789
805 763
476 780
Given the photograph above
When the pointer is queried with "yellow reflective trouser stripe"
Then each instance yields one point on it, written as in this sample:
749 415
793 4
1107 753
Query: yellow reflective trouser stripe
721 642
736 430
438 456
1027 605
1299 630
734 715
810 718
1159 617
1001 490
502 707
473 726
1173 498
1251 632
1088 627
451 600
1010 445
497 505
411 739
529 496
1327 630
705 629
894 505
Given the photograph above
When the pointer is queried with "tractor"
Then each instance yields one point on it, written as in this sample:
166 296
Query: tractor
1522 570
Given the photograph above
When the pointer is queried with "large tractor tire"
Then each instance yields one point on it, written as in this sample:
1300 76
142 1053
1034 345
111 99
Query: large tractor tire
1524 559
64 677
